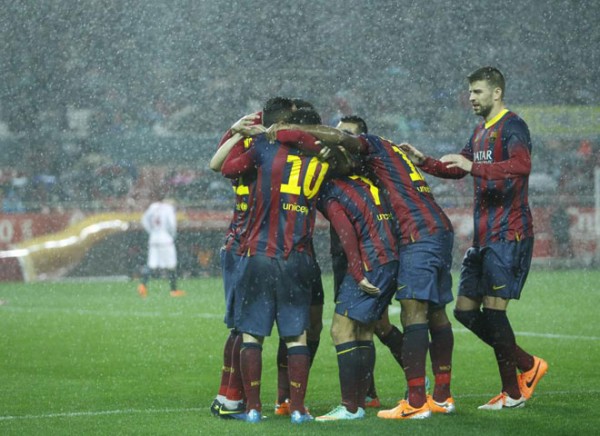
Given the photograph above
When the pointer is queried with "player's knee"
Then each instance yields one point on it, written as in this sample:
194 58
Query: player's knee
466 317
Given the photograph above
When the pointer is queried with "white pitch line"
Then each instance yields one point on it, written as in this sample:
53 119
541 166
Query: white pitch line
117 313
98 413
200 409
155 314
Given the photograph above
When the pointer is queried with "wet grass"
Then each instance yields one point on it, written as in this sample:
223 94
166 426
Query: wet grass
93 358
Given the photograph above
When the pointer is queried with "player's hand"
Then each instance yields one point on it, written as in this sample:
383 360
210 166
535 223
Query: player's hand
366 286
457 161
325 152
414 155
246 126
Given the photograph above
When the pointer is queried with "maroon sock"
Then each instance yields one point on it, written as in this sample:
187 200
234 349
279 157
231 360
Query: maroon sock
348 366
393 340
283 380
524 359
251 365
503 342
366 358
226 368
298 368
414 355
440 351
235 389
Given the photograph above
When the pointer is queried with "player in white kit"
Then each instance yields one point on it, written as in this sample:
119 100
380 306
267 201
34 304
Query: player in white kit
160 223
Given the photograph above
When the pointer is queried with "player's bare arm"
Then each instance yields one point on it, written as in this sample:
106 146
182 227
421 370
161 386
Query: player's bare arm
216 162
457 161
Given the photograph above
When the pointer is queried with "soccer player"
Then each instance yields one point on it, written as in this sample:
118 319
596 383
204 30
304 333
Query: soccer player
229 400
231 390
494 269
363 224
276 267
424 279
160 222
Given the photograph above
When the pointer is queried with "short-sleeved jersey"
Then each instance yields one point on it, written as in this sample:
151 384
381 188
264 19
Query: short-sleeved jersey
282 200
369 214
240 189
408 193
501 207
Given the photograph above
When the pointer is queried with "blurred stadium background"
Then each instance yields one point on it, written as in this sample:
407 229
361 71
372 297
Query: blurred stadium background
102 102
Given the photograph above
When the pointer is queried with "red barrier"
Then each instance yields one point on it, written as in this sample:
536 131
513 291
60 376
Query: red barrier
21 230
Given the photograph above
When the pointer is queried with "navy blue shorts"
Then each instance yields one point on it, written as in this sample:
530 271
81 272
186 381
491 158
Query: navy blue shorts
425 270
229 268
274 290
356 304
497 270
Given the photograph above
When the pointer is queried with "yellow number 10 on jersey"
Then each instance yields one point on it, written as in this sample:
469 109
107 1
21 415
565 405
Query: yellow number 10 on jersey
309 186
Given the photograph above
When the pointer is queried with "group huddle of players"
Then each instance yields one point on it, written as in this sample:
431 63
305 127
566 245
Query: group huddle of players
389 238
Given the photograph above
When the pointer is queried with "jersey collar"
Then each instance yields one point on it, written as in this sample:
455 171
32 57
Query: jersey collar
494 120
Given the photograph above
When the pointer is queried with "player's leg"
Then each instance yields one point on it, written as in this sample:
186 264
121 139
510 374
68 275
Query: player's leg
440 352
251 369
343 334
313 337
366 349
298 369
293 298
144 279
233 401
441 346
149 268
414 355
282 405
168 261
255 310
506 266
225 373
418 272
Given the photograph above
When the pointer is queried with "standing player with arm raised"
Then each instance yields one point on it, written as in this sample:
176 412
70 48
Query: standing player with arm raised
229 399
494 269
276 266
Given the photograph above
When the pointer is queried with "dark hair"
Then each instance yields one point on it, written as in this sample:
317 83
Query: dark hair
300 103
355 119
491 75
276 109
305 115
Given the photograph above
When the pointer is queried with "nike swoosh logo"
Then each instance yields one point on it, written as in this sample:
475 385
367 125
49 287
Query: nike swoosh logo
401 287
497 288
409 413
529 383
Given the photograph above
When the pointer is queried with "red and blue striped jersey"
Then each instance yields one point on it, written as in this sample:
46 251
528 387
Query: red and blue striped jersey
282 200
371 235
240 189
406 189
500 150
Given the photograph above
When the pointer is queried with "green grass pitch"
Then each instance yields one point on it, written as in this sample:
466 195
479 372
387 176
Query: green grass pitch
93 358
